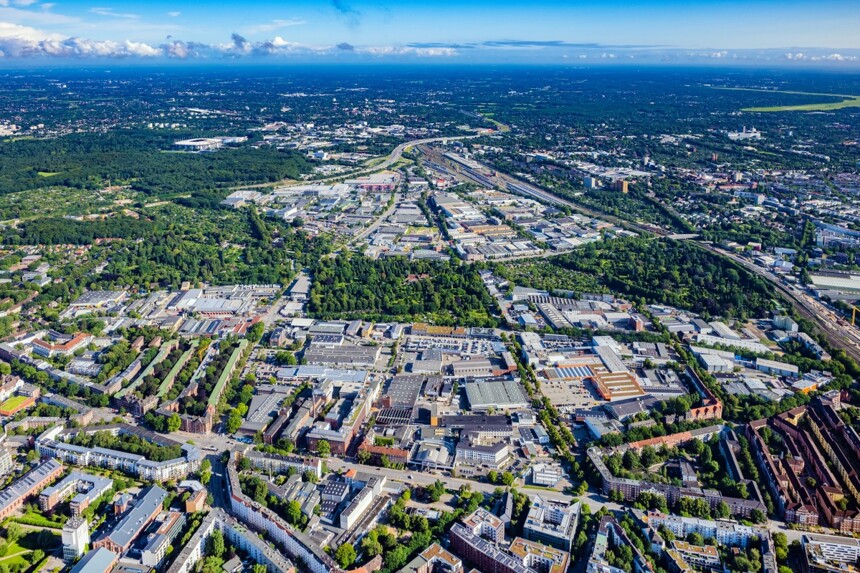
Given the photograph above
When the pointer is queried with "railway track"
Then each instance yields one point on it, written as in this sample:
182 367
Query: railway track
837 336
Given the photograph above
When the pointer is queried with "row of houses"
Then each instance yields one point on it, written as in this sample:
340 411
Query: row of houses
816 472
630 489
51 444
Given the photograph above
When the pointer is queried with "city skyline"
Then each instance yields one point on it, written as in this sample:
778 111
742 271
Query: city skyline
549 32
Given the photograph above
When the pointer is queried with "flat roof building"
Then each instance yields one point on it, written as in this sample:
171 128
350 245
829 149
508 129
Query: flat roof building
98 560
552 523
501 395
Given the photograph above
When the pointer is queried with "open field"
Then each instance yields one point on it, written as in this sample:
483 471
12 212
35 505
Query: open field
848 101
13 402
499 125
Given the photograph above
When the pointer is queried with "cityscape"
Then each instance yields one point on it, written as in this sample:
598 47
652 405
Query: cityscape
506 315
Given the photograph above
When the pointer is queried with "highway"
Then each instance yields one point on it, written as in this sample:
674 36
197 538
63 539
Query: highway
390 160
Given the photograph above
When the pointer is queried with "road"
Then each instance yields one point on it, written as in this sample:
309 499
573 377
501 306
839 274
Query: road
392 158
414 477
594 499
376 223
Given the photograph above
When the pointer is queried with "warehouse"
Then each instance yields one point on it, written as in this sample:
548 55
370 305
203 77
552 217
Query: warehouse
346 355
502 395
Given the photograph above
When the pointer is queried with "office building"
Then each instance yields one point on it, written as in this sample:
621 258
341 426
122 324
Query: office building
551 523
146 507
37 479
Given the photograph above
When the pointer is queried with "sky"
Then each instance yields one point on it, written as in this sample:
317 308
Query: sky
785 32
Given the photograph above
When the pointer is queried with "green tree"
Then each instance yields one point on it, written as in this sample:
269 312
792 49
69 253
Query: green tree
436 490
695 538
294 512
215 546
323 449
234 421
36 556
14 532
345 555
371 546
174 422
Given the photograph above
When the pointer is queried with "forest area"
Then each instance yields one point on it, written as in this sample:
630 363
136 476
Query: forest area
140 158
445 293
656 271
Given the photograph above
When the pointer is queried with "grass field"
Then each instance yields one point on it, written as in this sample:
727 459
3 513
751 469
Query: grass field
844 104
14 402
499 125
848 101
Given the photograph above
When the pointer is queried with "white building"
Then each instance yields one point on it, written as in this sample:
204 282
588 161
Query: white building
356 508
76 538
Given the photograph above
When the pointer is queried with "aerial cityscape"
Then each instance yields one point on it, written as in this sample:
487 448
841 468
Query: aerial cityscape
382 297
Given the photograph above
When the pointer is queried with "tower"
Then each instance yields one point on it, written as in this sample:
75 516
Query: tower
76 538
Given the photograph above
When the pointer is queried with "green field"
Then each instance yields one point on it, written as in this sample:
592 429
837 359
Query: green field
848 101
499 125
226 374
13 402
844 104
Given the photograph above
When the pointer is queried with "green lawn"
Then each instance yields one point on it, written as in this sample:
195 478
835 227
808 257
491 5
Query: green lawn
844 104
848 101
13 402
38 520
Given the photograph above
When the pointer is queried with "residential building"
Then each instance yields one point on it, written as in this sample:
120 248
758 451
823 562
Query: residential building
83 488
37 479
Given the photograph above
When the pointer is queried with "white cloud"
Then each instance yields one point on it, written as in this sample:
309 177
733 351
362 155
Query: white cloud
275 25
174 14
109 12
42 17
406 51
25 33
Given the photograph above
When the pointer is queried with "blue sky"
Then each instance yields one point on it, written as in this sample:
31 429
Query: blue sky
548 31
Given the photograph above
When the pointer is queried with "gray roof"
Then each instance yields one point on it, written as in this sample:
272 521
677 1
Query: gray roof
503 394
23 486
136 519
96 561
